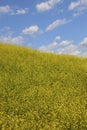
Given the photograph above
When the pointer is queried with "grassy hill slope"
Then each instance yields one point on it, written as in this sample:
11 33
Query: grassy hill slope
40 91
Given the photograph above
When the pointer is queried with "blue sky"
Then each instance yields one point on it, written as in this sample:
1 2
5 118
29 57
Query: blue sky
58 26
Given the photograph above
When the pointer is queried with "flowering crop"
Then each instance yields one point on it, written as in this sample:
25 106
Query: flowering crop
42 91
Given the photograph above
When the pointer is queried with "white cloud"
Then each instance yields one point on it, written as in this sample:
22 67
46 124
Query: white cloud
77 13
56 24
22 11
6 36
5 9
9 10
78 6
70 49
49 47
84 42
65 43
31 30
73 5
49 4
57 38
6 31
52 46
67 47
13 40
63 47
55 46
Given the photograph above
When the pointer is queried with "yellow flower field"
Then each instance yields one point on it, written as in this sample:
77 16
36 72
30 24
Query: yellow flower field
42 91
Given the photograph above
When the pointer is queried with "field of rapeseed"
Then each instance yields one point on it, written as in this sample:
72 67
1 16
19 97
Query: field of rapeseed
41 91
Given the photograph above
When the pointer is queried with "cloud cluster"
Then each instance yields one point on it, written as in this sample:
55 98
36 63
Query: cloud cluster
19 40
66 47
9 10
58 45
6 36
31 30
44 6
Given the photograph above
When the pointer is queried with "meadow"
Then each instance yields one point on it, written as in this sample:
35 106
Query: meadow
42 91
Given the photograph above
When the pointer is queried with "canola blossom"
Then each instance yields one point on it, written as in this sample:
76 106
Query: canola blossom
42 91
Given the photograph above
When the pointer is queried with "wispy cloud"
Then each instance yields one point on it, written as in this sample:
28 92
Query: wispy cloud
57 38
73 5
56 24
78 6
5 9
44 6
6 31
22 11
